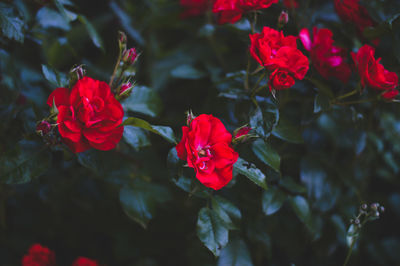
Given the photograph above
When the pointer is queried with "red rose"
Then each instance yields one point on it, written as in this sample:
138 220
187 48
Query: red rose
265 45
39 256
390 94
280 80
89 115
206 146
290 4
352 12
372 73
230 11
329 60
82 261
195 7
292 60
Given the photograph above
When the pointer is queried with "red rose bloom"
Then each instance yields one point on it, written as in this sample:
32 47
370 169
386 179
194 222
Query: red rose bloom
290 4
329 60
39 256
195 7
82 261
373 74
280 80
265 45
88 115
230 11
206 146
352 12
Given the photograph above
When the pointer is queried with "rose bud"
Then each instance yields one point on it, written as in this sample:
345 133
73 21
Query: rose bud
122 40
76 74
129 56
283 19
241 134
125 90
189 117
43 128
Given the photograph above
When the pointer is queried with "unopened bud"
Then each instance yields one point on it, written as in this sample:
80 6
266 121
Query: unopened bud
129 56
122 40
283 19
364 207
189 117
241 134
374 206
76 74
356 221
43 128
382 209
125 90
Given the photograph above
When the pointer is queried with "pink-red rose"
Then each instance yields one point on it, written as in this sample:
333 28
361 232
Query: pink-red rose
89 116
39 256
373 74
206 146
328 59
279 54
82 261
230 11
280 80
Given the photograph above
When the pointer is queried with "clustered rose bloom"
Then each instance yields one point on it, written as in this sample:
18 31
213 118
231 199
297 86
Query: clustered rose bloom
195 7
89 116
279 55
328 59
230 11
39 256
373 74
352 12
206 146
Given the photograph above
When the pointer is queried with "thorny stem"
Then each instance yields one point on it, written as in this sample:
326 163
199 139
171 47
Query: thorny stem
246 81
115 68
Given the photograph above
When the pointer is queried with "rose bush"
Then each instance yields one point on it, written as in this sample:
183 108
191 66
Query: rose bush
298 163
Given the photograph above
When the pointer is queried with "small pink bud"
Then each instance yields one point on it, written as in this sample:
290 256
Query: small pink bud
125 88
43 128
283 18
129 56
242 132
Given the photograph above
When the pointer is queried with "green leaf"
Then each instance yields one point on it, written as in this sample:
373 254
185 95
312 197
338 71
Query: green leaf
163 131
301 208
27 161
11 26
54 77
272 200
321 103
136 137
49 18
96 39
212 230
235 253
250 171
267 154
287 132
140 200
91 159
288 183
187 72
264 119
322 87
143 100
226 211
